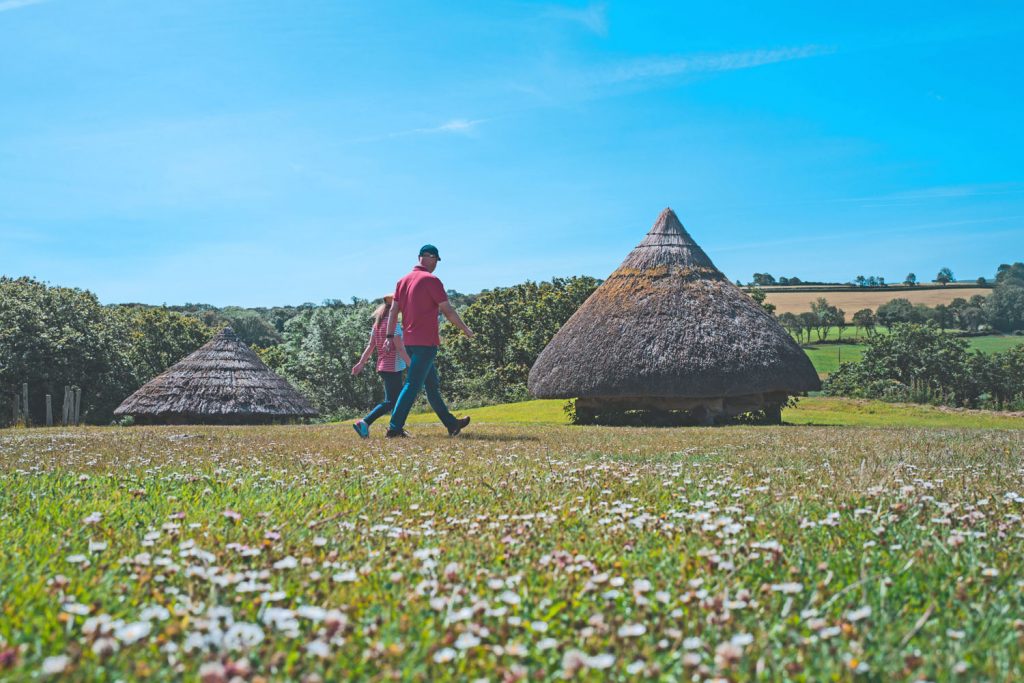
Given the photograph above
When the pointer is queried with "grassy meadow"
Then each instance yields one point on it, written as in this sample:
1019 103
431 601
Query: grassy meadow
522 550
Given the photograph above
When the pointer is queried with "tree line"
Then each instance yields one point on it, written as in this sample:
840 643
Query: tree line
56 336
51 337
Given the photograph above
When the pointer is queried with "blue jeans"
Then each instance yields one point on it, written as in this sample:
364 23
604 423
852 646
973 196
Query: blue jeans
422 373
392 387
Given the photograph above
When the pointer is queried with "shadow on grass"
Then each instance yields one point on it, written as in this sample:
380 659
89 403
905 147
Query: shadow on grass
476 436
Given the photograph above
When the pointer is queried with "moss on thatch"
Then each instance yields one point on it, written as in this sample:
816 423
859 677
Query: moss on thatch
223 382
669 325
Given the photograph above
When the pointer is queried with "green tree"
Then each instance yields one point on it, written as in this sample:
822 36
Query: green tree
897 311
760 296
764 279
1010 274
865 320
910 280
512 325
911 358
827 317
154 339
944 276
1004 308
808 323
320 347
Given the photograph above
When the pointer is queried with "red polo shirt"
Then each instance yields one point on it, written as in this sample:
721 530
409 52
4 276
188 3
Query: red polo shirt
418 296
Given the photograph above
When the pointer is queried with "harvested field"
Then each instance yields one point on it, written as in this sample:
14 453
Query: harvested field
852 300
515 552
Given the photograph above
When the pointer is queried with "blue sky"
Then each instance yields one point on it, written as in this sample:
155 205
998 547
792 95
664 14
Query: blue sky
264 153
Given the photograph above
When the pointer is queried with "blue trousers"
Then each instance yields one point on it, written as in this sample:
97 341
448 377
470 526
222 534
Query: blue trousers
392 387
421 373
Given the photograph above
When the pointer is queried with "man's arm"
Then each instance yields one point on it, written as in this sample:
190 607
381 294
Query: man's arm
453 316
392 322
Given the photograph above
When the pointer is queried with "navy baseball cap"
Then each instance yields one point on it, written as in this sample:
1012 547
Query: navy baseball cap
430 249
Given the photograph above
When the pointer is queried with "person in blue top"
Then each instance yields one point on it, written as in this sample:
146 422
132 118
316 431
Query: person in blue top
390 364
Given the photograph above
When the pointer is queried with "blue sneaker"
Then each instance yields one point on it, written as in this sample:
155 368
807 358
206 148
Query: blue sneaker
362 429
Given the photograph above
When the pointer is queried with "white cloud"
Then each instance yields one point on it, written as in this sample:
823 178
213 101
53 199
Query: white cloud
660 67
593 17
6 5
947 192
459 126
453 126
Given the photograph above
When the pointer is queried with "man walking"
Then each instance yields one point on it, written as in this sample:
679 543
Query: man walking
419 296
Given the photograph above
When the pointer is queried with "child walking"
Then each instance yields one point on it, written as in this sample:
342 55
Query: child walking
390 365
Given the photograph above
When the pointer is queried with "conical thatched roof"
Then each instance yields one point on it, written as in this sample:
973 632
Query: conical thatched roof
669 324
223 381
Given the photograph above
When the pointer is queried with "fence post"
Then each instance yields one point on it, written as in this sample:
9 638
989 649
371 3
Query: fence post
14 409
24 402
78 403
49 411
66 415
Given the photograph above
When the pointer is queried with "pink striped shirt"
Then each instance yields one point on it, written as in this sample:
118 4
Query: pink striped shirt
386 362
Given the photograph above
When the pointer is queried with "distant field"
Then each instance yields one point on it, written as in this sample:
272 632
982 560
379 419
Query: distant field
826 357
854 300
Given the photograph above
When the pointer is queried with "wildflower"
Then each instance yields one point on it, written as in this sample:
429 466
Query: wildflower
632 630
55 665
466 641
787 588
104 647
242 636
154 612
574 660
859 614
97 546
77 559
93 518
444 655
727 654
510 598
286 563
311 612
990 572
693 644
212 672
318 648
232 515
76 608
347 576
547 644
134 632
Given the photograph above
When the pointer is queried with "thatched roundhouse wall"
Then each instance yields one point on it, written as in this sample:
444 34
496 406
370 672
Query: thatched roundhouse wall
667 329
222 382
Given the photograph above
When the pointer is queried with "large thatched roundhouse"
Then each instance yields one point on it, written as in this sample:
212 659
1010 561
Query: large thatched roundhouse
667 331
222 382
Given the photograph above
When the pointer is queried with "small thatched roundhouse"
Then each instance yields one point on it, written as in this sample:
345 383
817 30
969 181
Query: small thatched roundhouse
667 331
222 382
